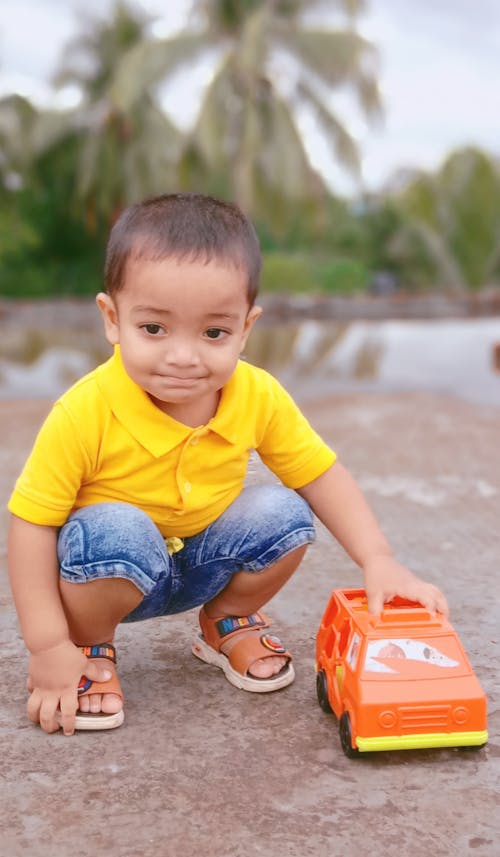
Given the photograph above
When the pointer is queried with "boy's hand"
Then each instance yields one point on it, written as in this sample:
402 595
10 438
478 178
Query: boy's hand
53 680
385 578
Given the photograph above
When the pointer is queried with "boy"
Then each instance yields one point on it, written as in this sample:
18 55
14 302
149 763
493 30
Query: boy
132 504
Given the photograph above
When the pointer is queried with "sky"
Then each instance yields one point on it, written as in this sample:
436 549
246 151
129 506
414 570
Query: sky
439 69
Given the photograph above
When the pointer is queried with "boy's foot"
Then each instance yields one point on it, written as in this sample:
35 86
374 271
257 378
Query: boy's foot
251 660
100 704
263 667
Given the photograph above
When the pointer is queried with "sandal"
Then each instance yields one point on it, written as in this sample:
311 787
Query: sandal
251 647
87 720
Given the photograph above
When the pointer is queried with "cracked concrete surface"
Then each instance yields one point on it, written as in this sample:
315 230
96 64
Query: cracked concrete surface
201 768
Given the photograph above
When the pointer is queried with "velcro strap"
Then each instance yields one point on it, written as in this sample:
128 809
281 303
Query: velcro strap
230 624
101 650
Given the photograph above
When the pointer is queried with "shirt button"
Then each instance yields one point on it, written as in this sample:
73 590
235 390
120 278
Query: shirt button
187 487
194 441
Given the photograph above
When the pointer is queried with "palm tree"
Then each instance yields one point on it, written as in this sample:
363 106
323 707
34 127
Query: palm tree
272 64
17 118
455 215
123 152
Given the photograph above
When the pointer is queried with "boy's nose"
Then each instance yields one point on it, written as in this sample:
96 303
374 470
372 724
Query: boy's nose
179 352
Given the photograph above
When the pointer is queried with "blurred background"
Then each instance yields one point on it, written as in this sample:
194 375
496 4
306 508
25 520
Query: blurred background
361 136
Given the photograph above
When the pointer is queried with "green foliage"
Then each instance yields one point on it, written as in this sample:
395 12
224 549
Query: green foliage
19 236
65 175
302 274
457 215
49 250
49 278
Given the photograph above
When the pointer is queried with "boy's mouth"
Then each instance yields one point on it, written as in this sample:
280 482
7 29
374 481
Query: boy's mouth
180 380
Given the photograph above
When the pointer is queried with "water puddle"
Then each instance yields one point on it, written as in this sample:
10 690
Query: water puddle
312 358
318 358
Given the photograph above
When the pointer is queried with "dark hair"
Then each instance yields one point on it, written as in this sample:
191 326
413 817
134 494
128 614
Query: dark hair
184 226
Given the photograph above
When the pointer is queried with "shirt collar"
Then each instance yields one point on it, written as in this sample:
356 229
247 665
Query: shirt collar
154 430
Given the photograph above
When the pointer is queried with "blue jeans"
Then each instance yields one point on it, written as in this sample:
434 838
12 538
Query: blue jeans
119 540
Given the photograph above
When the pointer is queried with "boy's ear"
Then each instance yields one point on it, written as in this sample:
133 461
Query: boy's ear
109 314
253 314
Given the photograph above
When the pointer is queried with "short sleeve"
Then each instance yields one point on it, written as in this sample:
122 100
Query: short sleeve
290 447
45 491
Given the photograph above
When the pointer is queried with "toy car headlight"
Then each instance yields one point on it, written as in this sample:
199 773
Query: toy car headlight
460 714
387 719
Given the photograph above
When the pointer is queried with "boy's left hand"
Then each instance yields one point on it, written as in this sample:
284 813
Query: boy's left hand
385 578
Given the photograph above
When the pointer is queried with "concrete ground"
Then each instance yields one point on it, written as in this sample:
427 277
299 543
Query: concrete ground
200 768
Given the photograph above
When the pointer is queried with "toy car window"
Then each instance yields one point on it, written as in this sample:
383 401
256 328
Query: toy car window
405 657
353 651
344 636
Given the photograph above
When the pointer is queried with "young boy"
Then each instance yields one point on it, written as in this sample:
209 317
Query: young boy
132 505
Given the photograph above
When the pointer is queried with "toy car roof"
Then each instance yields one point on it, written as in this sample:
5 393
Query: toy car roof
398 614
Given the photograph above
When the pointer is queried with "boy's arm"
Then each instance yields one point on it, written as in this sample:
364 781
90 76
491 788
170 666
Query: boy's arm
339 503
56 664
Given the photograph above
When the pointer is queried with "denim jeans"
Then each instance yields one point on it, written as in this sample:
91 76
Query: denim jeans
119 540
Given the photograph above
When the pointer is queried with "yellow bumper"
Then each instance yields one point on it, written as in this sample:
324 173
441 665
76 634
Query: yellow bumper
416 742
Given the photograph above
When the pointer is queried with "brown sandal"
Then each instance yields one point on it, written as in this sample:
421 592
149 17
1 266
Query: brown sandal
87 720
251 647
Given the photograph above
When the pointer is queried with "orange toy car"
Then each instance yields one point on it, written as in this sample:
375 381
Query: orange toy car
396 681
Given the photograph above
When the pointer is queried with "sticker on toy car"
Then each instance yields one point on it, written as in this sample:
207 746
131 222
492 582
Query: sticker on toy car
378 652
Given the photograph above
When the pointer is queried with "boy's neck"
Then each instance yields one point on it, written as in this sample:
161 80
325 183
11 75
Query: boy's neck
191 414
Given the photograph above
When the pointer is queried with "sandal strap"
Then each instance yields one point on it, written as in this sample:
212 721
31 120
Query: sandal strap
100 650
230 624
219 630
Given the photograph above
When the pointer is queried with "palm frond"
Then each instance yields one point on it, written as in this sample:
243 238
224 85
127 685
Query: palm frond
282 156
216 125
343 145
151 62
337 57
435 247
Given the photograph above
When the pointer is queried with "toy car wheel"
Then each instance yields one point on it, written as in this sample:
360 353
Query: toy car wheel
345 732
322 691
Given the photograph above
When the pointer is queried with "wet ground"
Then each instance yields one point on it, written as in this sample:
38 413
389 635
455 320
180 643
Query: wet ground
200 768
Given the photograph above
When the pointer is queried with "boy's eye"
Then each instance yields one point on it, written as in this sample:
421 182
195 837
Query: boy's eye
153 329
215 333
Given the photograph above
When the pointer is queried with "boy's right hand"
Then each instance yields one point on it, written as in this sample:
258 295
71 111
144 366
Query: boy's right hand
53 679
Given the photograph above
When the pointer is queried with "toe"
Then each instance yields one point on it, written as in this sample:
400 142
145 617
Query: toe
84 703
108 703
266 667
111 703
95 703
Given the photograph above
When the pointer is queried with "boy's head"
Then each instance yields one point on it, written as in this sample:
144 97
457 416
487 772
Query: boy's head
187 227
182 273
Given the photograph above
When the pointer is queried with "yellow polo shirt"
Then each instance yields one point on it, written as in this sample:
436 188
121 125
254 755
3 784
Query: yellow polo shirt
105 441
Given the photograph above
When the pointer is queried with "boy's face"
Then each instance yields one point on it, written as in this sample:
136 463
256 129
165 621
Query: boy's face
181 327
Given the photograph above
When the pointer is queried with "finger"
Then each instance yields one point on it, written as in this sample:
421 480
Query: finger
97 673
68 706
48 719
445 608
433 600
376 603
33 706
428 597
442 605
